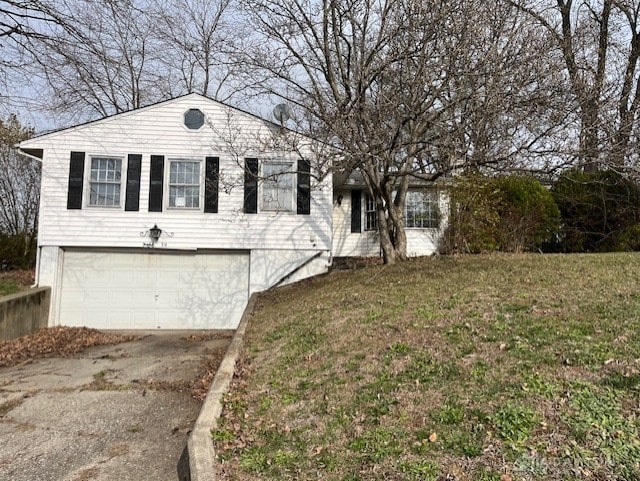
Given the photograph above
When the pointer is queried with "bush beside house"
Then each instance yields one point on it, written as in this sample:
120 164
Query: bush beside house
506 213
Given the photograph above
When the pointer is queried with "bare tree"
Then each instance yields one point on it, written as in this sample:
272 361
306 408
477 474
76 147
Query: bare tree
21 21
198 37
20 18
599 43
19 186
104 61
407 90
112 56
510 90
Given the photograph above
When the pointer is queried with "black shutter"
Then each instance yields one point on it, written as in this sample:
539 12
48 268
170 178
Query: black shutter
304 187
76 179
134 166
211 175
155 183
250 186
356 211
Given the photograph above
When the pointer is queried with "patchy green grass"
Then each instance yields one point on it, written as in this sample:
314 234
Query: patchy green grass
14 281
496 367
8 286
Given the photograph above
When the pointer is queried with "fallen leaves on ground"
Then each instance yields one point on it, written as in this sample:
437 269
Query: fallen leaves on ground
21 276
55 341
209 336
198 387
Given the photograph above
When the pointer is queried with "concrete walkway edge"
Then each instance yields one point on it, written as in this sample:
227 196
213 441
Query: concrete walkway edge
200 445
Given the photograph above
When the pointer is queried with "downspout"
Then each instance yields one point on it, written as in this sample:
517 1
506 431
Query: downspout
37 158
36 277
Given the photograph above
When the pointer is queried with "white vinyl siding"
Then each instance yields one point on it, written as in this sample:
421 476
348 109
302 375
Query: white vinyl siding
105 181
184 183
420 241
285 240
159 130
277 186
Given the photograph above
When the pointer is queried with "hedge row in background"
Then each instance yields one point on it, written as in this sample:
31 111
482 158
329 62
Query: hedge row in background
600 211
581 212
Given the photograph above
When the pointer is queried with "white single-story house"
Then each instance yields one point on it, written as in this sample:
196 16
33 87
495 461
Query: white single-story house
170 216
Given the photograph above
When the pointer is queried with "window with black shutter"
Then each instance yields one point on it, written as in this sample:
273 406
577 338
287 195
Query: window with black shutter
250 186
304 187
211 180
156 180
76 180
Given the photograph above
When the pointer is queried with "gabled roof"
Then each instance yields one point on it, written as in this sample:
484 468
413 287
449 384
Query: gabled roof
35 152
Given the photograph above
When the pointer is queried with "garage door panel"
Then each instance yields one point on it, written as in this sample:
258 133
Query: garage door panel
119 297
97 297
154 290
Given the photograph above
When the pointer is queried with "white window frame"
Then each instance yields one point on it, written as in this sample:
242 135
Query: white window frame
427 218
89 182
370 213
272 180
169 184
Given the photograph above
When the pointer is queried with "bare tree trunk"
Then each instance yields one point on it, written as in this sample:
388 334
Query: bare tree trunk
598 41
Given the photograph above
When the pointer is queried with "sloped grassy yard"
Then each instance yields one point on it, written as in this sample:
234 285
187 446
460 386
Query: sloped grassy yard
475 368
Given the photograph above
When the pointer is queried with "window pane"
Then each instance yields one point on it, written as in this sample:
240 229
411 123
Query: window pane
172 172
277 186
421 210
184 184
104 179
193 119
370 214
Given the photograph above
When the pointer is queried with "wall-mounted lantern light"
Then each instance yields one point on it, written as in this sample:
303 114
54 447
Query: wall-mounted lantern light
154 235
339 200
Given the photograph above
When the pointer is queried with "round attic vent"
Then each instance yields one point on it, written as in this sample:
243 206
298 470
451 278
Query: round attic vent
193 119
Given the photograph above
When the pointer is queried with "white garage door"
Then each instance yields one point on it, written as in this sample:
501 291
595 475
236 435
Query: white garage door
151 290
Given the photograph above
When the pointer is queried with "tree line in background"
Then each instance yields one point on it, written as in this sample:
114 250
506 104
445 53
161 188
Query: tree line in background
409 91
19 198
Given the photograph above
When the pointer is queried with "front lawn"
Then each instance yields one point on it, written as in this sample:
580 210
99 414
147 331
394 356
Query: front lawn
475 368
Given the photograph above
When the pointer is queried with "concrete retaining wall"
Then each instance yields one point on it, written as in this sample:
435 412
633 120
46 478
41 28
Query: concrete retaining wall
199 462
24 312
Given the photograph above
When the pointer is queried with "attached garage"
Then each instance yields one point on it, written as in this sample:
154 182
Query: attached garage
143 289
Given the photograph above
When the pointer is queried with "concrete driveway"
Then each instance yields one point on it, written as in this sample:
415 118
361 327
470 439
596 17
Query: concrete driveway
119 412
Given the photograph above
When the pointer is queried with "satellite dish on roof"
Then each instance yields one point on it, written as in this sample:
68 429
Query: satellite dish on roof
282 113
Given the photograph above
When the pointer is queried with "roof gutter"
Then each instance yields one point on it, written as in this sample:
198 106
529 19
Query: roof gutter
35 154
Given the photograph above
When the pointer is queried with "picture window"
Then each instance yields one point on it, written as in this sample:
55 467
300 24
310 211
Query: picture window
421 210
